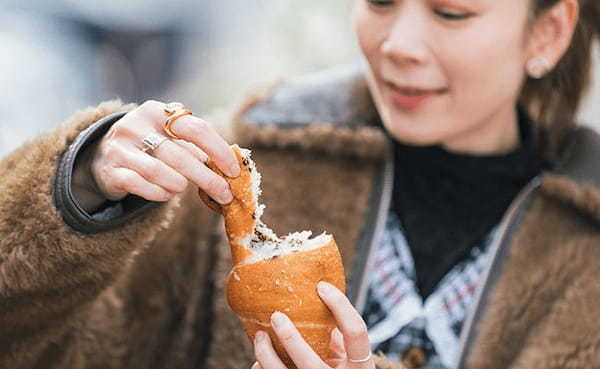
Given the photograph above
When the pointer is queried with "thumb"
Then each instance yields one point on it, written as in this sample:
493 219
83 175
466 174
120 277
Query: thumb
336 345
334 363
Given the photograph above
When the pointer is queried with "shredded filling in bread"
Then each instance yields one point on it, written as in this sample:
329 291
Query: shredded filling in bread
264 243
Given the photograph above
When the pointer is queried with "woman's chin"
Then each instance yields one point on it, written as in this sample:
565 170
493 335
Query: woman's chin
415 137
415 140
420 129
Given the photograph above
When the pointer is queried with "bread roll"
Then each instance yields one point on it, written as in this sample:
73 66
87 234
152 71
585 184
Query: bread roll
270 273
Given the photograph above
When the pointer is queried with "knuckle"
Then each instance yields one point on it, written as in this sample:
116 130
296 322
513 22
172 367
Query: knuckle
216 185
260 352
150 105
200 124
151 169
181 184
106 177
357 330
181 168
150 108
286 334
120 180
338 298
164 195
111 183
195 127
123 126
127 180
113 151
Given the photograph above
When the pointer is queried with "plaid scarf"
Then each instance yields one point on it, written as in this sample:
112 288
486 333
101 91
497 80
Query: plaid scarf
395 312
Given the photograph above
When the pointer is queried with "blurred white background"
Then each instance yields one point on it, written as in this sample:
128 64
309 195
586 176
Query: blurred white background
59 56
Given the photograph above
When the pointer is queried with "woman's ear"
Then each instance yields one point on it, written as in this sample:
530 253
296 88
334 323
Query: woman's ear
552 32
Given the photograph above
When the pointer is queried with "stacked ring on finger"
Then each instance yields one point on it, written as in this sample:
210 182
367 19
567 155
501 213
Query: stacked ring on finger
174 111
152 141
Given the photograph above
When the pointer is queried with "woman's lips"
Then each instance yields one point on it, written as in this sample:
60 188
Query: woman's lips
410 98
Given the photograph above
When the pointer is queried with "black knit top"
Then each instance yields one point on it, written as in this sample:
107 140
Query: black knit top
449 202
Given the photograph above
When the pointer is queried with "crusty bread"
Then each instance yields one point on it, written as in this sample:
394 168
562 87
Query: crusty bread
275 274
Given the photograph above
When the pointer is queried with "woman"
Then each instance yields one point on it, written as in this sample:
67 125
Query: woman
476 100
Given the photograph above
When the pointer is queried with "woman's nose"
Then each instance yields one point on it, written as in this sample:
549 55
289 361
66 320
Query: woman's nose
406 40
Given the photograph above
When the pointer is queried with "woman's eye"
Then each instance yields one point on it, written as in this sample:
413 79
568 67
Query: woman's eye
381 3
448 15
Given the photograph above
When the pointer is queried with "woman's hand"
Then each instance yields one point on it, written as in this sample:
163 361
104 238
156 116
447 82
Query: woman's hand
350 343
120 166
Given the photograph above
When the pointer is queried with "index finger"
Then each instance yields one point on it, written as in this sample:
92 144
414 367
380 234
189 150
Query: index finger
199 132
350 323
196 131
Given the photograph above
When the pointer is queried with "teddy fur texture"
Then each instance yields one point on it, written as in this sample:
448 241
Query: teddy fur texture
51 277
151 294
544 311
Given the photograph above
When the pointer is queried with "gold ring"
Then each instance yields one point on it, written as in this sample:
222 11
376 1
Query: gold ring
174 111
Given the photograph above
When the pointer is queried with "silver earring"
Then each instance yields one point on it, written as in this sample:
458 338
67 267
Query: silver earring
537 67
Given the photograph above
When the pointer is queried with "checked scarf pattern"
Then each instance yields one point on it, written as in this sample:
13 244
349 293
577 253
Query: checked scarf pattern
395 312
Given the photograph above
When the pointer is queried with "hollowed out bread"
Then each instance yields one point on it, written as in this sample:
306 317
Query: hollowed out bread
275 274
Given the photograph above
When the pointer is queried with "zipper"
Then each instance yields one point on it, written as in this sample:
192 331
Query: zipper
374 226
500 245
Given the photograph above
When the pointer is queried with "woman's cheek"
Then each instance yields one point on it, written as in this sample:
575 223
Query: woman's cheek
363 37
371 30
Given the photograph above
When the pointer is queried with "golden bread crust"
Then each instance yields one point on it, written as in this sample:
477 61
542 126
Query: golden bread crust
240 213
286 283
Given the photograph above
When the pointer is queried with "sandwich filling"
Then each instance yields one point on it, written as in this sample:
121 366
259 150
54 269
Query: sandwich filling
263 242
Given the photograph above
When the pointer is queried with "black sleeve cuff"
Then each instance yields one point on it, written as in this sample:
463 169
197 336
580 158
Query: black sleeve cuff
114 213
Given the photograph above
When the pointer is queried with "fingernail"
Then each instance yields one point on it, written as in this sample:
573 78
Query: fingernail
203 156
336 332
256 365
324 288
226 196
278 319
234 170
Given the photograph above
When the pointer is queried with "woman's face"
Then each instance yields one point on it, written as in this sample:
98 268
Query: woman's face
446 72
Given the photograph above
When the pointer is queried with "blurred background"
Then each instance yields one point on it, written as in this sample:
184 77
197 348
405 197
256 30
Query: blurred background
59 56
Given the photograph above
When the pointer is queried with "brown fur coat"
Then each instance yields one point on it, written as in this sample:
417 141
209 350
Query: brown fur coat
151 294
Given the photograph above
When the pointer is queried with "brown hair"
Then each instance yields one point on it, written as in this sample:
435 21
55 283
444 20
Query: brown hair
554 99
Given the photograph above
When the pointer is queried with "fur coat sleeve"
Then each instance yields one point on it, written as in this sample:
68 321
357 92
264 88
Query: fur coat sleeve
51 277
